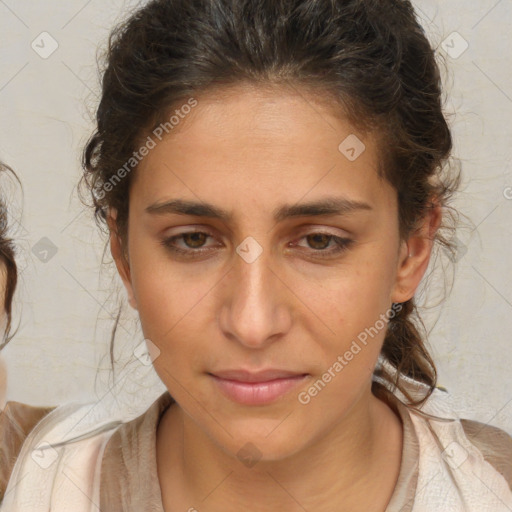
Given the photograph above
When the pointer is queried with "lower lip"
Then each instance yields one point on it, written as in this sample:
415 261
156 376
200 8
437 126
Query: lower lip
257 393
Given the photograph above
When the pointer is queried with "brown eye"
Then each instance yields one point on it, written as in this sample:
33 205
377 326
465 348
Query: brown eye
319 241
325 244
190 244
194 240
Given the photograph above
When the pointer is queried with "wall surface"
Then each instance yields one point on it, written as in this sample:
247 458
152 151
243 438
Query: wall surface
67 300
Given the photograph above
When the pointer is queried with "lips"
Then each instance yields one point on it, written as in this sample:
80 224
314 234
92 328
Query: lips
261 376
256 388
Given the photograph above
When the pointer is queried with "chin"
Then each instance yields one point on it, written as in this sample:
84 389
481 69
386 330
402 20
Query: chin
254 447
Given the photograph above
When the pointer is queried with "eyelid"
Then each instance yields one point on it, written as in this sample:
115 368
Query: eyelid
303 231
322 229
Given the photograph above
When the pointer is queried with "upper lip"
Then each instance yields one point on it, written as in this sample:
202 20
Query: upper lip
260 376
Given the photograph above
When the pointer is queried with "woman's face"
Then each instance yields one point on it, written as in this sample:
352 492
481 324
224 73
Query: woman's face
267 287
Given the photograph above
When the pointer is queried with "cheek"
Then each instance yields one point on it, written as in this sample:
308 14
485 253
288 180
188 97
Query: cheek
350 295
166 301
346 314
172 301
169 309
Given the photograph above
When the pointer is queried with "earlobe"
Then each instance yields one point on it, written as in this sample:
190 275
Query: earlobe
120 260
415 255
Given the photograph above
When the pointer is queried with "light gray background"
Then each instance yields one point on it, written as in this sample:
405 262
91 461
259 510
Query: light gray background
65 305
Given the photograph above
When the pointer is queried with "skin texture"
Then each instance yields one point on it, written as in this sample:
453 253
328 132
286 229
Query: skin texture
250 151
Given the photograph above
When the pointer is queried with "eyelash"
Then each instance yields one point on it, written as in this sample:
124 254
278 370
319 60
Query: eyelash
342 244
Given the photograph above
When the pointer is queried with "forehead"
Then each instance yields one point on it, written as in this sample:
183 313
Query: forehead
263 115
253 144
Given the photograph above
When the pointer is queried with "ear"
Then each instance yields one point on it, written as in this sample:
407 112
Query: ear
122 264
414 255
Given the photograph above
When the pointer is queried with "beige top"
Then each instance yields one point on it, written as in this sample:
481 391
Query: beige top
129 479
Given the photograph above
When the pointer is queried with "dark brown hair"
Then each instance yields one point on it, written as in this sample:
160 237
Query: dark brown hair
370 59
7 262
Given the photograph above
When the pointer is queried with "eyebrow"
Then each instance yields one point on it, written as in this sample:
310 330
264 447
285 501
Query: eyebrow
323 207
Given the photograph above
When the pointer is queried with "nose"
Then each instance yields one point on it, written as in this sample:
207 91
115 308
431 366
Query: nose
255 311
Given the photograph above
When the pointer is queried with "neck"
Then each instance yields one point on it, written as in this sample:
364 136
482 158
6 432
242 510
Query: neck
353 465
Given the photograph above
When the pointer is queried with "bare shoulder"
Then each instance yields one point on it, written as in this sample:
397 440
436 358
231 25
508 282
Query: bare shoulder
16 421
494 443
